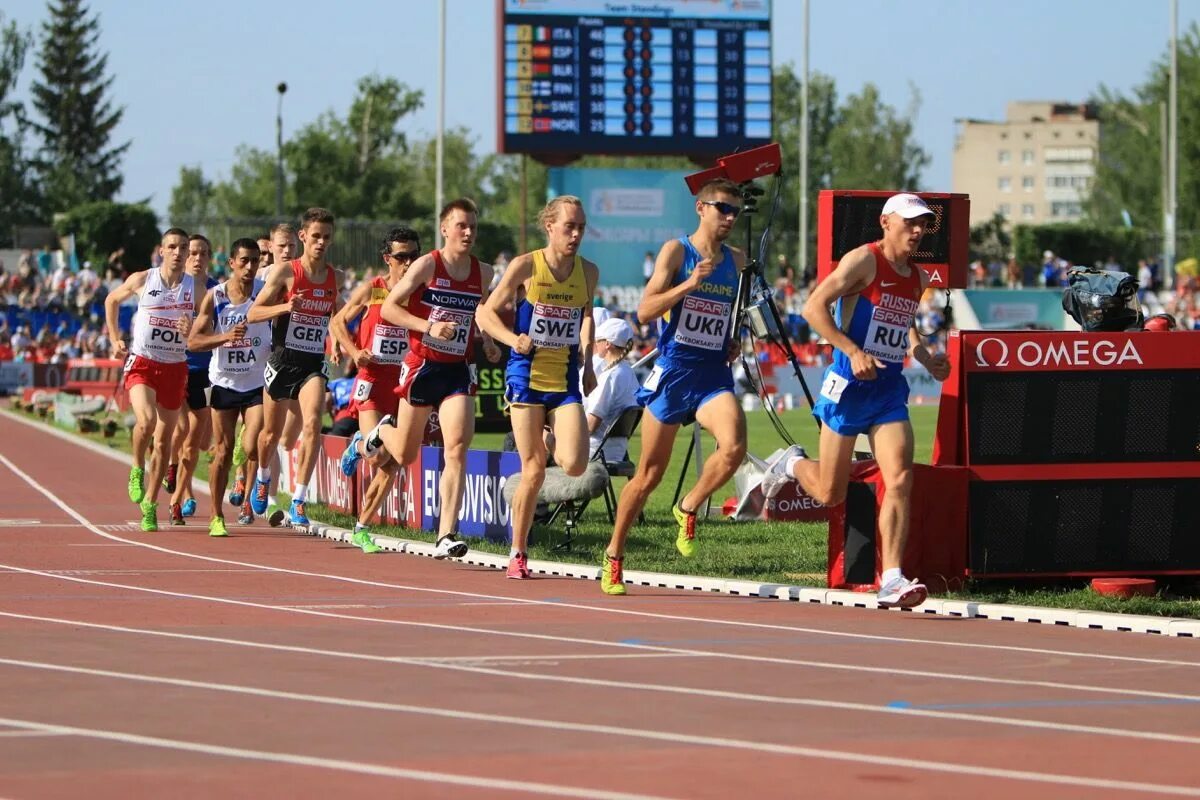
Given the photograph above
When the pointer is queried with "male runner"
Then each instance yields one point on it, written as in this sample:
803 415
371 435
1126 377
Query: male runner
694 282
553 289
194 431
378 351
876 291
236 371
300 297
436 301
156 370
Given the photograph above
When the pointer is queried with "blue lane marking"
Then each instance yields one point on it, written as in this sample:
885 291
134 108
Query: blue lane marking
1164 701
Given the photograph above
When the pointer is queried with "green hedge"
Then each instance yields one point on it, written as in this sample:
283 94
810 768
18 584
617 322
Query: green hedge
1081 244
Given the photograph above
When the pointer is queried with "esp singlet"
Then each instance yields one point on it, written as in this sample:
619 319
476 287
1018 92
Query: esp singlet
551 313
387 342
879 318
447 300
156 334
299 338
198 362
697 327
238 365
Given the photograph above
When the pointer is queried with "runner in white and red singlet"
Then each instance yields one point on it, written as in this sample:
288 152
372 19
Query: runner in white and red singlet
378 350
436 301
156 369
299 298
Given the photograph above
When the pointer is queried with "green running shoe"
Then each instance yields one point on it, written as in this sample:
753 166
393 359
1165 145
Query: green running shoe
217 527
149 516
239 454
362 538
137 491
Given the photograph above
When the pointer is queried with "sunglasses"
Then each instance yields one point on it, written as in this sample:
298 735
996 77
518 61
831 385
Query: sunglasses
723 208
403 258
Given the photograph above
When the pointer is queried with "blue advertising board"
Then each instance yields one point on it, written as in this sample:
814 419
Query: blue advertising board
484 510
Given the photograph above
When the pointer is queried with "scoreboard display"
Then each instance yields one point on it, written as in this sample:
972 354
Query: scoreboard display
651 78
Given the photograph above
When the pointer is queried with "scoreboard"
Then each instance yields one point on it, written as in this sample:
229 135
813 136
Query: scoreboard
659 77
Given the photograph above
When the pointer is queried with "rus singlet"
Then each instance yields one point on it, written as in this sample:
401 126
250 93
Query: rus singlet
446 299
238 365
299 338
697 327
551 314
156 333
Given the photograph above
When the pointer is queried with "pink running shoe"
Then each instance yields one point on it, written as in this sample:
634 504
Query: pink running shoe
518 568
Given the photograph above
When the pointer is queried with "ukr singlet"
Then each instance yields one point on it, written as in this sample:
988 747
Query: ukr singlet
238 364
551 313
447 300
697 327
156 333
879 318
299 338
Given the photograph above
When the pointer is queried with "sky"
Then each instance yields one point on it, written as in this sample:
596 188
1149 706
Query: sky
197 81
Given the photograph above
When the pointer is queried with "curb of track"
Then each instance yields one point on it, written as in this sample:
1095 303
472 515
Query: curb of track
1066 617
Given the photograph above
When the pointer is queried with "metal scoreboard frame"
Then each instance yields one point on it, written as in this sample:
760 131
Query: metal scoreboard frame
697 83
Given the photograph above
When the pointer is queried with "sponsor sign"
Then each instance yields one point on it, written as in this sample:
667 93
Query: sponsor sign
484 510
14 375
1070 351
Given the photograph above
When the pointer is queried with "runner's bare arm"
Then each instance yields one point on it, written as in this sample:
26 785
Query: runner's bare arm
587 332
131 287
339 324
487 316
490 348
202 337
265 306
395 307
853 273
659 296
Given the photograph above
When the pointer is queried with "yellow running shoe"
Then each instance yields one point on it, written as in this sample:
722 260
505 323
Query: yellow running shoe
685 542
217 528
149 516
612 579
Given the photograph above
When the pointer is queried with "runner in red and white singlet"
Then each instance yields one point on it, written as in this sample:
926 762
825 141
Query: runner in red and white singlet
156 369
436 301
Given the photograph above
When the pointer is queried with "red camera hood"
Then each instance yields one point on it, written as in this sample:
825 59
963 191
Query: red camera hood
740 167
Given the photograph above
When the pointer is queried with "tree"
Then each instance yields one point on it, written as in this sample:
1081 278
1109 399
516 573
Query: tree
104 226
18 194
76 163
990 240
193 197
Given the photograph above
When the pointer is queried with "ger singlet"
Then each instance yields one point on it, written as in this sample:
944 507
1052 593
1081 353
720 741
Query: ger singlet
551 314
446 299
299 338
156 333
879 319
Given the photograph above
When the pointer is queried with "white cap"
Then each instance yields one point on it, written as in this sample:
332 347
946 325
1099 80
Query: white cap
615 330
906 205
599 315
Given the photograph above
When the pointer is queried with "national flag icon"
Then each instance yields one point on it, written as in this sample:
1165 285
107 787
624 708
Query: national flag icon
540 51
540 88
541 124
541 34
541 69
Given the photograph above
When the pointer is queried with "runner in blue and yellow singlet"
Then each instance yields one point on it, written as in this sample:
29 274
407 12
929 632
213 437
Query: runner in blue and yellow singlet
552 335
693 286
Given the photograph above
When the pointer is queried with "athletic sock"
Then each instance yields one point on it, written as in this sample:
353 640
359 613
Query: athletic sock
890 575
513 553
301 492
791 465
264 475
358 526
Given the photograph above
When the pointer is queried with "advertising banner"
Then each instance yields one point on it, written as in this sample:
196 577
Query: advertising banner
484 510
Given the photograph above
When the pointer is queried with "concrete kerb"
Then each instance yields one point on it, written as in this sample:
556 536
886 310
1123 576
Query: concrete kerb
1075 618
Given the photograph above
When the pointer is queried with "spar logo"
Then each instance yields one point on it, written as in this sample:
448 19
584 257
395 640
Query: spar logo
997 353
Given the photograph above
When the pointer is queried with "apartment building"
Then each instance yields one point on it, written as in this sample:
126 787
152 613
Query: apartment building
1035 167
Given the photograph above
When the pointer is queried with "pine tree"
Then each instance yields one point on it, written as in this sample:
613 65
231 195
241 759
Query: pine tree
76 164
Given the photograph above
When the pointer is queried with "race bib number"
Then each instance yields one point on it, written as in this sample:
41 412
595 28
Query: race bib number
269 374
703 323
163 337
473 375
306 333
887 333
833 387
405 369
389 344
238 357
457 345
652 379
555 326
362 390
129 359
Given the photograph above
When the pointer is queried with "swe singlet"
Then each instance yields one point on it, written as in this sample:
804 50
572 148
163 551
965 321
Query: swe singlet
388 342
447 300
697 327
198 361
156 334
879 318
238 364
551 313
299 338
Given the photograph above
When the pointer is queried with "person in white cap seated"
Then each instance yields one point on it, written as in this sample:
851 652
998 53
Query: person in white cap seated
875 291
616 387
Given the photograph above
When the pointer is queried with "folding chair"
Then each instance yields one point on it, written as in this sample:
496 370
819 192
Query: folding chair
623 426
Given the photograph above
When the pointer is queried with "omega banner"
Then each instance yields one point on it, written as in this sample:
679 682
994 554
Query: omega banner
1083 449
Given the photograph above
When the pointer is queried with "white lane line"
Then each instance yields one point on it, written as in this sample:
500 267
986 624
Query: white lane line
599 609
625 686
27 734
362 768
549 657
674 737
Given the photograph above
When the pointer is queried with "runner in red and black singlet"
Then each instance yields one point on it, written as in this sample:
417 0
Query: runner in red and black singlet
436 301
300 302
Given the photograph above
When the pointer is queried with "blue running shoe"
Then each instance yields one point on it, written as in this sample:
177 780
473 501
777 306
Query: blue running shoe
258 500
189 507
350 455
298 517
237 495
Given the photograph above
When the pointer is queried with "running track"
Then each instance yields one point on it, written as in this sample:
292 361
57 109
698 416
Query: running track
277 664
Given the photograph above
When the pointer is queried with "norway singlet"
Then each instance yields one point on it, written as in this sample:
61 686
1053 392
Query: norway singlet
697 327
551 314
238 364
447 300
299 338
156 334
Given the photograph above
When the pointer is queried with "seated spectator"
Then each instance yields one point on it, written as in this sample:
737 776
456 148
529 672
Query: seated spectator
616 388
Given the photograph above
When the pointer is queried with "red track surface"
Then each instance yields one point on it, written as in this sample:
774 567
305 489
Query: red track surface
276 664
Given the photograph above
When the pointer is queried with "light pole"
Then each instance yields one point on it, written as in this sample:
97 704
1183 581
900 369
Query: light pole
439 156
282 90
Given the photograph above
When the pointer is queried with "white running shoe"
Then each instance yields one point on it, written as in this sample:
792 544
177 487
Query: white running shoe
372 441
777 474
449 546
901 593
